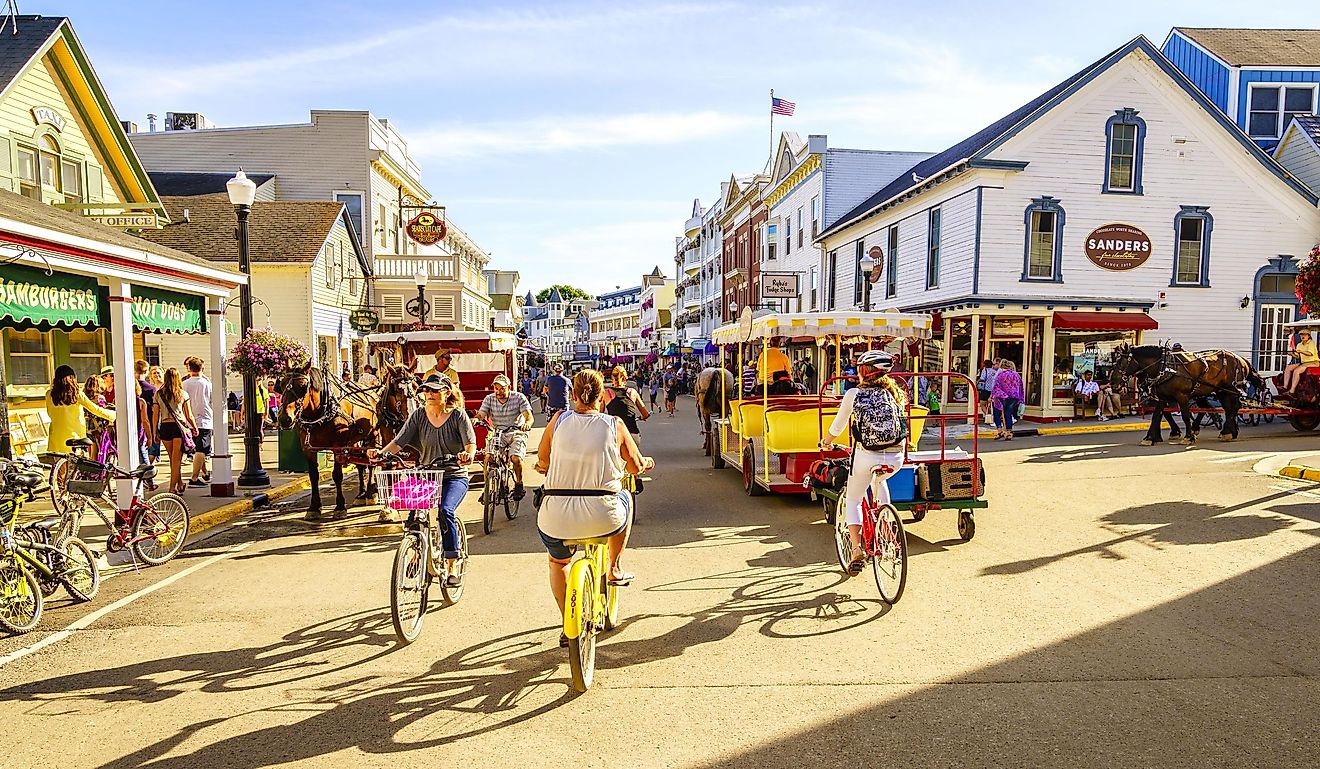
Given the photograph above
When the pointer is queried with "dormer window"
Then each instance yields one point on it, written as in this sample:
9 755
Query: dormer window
1125 139
1271 106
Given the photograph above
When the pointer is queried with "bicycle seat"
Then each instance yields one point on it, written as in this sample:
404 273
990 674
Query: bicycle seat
79 443
145 472
25 479
588 541
45 524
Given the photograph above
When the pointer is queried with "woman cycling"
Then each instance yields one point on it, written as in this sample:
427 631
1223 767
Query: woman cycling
443 435
584 455
876 409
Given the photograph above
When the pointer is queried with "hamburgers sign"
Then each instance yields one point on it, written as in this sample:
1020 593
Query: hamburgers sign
1118 247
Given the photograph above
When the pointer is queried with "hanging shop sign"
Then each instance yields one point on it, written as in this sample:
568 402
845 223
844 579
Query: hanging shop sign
167 312
365 321
779 285
877 255
30 295
1118 247
426 229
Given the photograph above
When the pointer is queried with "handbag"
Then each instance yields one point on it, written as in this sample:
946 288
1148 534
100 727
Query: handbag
188 446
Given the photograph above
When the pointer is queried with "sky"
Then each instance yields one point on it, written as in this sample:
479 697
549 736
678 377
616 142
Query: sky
569 139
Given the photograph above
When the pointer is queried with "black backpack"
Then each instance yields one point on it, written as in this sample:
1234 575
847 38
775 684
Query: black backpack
878 421
623 407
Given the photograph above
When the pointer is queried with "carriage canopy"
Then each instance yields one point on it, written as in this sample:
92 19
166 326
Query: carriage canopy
823 325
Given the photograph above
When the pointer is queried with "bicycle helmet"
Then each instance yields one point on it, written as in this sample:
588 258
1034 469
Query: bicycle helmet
874 363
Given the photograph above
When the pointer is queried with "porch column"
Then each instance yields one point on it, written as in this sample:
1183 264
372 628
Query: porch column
1047 366
975 358
222 462
126 421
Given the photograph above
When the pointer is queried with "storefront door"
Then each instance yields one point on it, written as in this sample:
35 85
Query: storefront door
1272 355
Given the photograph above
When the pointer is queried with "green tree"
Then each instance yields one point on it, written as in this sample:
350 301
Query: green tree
568 292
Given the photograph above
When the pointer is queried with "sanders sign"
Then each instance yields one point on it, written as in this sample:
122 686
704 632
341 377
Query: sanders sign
1118 247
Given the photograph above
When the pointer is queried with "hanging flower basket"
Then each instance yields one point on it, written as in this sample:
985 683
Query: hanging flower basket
266 352
1308 283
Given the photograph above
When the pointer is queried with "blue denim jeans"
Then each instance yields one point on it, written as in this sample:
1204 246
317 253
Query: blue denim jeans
1006 414
451 496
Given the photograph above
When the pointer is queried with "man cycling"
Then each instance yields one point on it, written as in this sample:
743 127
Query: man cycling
625 403
505 408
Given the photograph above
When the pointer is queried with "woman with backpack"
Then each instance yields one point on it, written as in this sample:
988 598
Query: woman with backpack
875 412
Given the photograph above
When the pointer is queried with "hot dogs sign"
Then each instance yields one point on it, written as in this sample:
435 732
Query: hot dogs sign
1118 247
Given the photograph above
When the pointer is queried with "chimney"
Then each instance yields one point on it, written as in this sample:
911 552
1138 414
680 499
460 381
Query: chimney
816 143
151 122
129 126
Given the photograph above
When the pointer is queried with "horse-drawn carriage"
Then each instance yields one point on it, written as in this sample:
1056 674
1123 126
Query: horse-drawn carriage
773 440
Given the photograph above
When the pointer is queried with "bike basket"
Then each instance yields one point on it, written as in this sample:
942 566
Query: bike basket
410 489
88 479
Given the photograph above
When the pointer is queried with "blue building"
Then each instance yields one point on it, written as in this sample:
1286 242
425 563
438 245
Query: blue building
1259 78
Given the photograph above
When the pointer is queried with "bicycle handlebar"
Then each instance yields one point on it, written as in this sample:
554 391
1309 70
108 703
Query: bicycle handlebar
395 460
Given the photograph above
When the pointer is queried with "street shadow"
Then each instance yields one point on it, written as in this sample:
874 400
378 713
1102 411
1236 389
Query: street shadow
1166 524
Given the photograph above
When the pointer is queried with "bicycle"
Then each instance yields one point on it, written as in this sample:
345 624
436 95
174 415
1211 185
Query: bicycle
419 559
154 529
107 452
591 606
33 564
883 539
498 475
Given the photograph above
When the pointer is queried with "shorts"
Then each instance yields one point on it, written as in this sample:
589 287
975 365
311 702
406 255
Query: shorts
169 431
562 552
984 395
202 440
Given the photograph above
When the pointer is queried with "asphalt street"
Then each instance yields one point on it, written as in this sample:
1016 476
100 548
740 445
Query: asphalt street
1119 605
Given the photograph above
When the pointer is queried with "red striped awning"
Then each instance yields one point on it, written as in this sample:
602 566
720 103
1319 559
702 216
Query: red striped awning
1104 321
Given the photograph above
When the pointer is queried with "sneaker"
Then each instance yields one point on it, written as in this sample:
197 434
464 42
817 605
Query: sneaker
519 492
1104 418
197 483
454 580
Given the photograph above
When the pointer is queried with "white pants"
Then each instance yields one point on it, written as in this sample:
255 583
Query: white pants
859 479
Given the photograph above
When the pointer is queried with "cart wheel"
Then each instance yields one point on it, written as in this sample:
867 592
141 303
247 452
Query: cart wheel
749 472
917 514
1304 422
966 526
831 508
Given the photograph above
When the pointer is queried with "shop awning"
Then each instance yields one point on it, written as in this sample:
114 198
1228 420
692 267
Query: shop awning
29 295
1104 321
167 312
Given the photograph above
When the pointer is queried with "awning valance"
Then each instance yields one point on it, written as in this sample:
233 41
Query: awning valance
1104 321
29 295
167 312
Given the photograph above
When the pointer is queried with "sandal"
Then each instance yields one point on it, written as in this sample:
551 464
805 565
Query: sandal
857 564
621 578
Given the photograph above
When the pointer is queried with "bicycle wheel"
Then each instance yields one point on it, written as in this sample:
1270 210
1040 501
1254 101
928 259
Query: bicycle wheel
59 490
842 542
582 645
160 528
75 507
408 587
488 502
453 594
20 598
80 575
889 558
510 504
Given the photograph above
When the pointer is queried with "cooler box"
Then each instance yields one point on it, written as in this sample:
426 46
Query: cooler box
903 485
953 479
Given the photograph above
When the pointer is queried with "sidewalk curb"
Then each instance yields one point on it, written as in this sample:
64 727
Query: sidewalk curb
1301 473
1070 430
240 507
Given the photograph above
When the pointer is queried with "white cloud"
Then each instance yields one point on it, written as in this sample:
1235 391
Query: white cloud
599 257
573 132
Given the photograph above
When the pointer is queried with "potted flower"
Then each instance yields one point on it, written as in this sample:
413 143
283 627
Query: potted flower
1308 283
266 352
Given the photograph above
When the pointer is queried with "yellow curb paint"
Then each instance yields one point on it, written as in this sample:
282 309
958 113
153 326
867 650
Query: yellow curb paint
1301 473
231 510
1098 428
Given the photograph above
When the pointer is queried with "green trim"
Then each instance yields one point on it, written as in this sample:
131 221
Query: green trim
168 312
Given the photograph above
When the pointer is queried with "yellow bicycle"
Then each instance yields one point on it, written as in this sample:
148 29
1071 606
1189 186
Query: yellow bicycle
591 606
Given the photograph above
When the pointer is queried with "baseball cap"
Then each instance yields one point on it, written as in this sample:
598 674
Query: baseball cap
501 379
438 382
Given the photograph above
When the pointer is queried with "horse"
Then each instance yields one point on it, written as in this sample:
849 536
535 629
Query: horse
327 421
1179 377
715 387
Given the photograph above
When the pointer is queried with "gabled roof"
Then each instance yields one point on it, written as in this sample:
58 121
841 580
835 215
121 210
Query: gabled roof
18 50
529 301
174 183
973 150
1309 125
656 273
555 296
1258 47
279 231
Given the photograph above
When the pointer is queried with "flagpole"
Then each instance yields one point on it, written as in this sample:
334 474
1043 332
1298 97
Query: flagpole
770 163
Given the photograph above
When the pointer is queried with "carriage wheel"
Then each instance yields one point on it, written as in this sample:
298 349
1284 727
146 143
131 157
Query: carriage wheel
1304 422
749 472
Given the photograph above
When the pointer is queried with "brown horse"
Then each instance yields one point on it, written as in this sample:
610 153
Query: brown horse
715 387
343 421
1180 377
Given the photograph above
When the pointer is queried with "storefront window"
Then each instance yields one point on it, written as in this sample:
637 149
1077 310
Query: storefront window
960 355
1078 351
29 357
86 352
1031 375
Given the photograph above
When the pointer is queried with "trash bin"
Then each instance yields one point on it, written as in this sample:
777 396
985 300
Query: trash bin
291 454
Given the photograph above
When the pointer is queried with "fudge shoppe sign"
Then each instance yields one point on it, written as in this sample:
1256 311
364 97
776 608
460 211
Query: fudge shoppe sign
1118 247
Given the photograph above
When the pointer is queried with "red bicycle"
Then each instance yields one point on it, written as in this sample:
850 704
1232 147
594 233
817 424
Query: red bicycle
883 539
155 529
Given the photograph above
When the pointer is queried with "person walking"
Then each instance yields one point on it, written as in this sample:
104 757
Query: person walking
177 426
1006 396
156 378
198 388
874 411
985 383
538 386
655 388
66 403
584 455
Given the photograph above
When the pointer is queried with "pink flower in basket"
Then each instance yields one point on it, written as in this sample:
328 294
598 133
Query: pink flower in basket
412 493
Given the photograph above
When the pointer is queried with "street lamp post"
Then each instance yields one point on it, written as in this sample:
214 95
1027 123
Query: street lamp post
866 264
420 306
242 192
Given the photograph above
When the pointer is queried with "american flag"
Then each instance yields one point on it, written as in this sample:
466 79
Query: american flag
781 106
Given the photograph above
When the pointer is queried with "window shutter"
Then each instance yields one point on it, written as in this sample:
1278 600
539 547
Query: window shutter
95 187
442 308
392 307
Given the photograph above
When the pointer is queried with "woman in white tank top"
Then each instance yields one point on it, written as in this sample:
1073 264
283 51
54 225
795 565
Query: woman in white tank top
584 455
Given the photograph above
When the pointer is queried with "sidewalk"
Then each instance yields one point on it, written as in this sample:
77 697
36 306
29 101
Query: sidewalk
205 511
